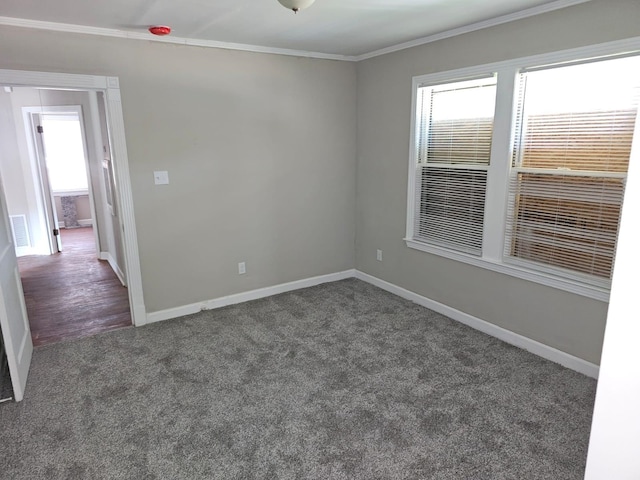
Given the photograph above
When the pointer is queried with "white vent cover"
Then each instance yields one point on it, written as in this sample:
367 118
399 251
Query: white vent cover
20 232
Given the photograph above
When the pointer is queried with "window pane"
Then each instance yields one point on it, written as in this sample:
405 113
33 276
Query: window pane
576 127
455 127
457 122
452 208
567 222
64 153
580 117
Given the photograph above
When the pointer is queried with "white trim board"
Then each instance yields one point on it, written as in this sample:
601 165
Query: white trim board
106 256
83 222
111 32
472 27
246 296
545 351
512 338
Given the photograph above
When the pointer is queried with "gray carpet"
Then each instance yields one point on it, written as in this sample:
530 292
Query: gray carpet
338 381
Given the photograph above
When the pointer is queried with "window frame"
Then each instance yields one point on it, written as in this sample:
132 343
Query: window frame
500 167
422 150
73 115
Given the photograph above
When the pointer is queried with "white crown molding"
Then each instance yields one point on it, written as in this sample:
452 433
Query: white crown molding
109 32
492 22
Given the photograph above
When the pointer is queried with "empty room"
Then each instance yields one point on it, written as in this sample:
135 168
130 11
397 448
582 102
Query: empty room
359 240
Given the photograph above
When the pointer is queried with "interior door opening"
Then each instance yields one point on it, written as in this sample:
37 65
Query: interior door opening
21 225
71 259
61 154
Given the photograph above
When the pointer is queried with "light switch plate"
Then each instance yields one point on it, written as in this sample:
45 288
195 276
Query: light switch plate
161 177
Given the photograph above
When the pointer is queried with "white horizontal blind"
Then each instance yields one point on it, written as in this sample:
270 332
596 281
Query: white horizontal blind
575 129
452 208
455 127
588 141
568 222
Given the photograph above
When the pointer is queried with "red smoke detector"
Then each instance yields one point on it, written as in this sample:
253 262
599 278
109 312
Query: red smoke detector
160 30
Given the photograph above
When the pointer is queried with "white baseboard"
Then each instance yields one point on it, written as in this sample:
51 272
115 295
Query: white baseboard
540 349
83 222
23 251
114 266
537 348
246 296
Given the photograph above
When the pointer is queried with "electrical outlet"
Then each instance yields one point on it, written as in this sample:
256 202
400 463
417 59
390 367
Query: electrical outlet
242 268
379 255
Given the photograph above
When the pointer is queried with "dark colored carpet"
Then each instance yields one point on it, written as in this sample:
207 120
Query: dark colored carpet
339 381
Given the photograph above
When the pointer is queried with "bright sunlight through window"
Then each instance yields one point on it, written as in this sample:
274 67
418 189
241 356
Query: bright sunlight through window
64 153
540 195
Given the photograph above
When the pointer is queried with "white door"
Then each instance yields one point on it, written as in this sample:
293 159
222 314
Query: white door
13 312
55 242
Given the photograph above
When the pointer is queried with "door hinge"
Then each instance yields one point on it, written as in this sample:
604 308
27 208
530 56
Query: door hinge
56 231
40 129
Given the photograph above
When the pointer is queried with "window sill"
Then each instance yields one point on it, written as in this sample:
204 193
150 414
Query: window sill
590 291
70 193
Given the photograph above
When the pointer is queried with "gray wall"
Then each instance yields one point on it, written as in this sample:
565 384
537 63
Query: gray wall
261 154
260 151
569 322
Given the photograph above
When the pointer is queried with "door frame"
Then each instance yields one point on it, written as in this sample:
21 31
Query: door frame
110 86
37 152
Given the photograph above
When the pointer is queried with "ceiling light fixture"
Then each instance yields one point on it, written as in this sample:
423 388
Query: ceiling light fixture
296 5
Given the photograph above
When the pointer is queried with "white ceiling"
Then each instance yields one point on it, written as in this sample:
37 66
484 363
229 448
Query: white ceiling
336 27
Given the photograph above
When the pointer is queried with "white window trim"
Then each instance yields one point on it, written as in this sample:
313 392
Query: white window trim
70 193
501 154
550 280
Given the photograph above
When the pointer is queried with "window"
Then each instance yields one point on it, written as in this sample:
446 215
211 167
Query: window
536 189
64 152
454 148
571 158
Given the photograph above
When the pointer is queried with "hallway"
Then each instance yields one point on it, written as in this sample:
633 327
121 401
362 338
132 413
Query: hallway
72 294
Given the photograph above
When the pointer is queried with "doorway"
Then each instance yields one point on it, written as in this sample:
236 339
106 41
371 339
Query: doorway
15 328
77 289
58 136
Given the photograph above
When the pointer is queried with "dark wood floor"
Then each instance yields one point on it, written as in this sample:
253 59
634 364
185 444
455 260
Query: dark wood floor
72 294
